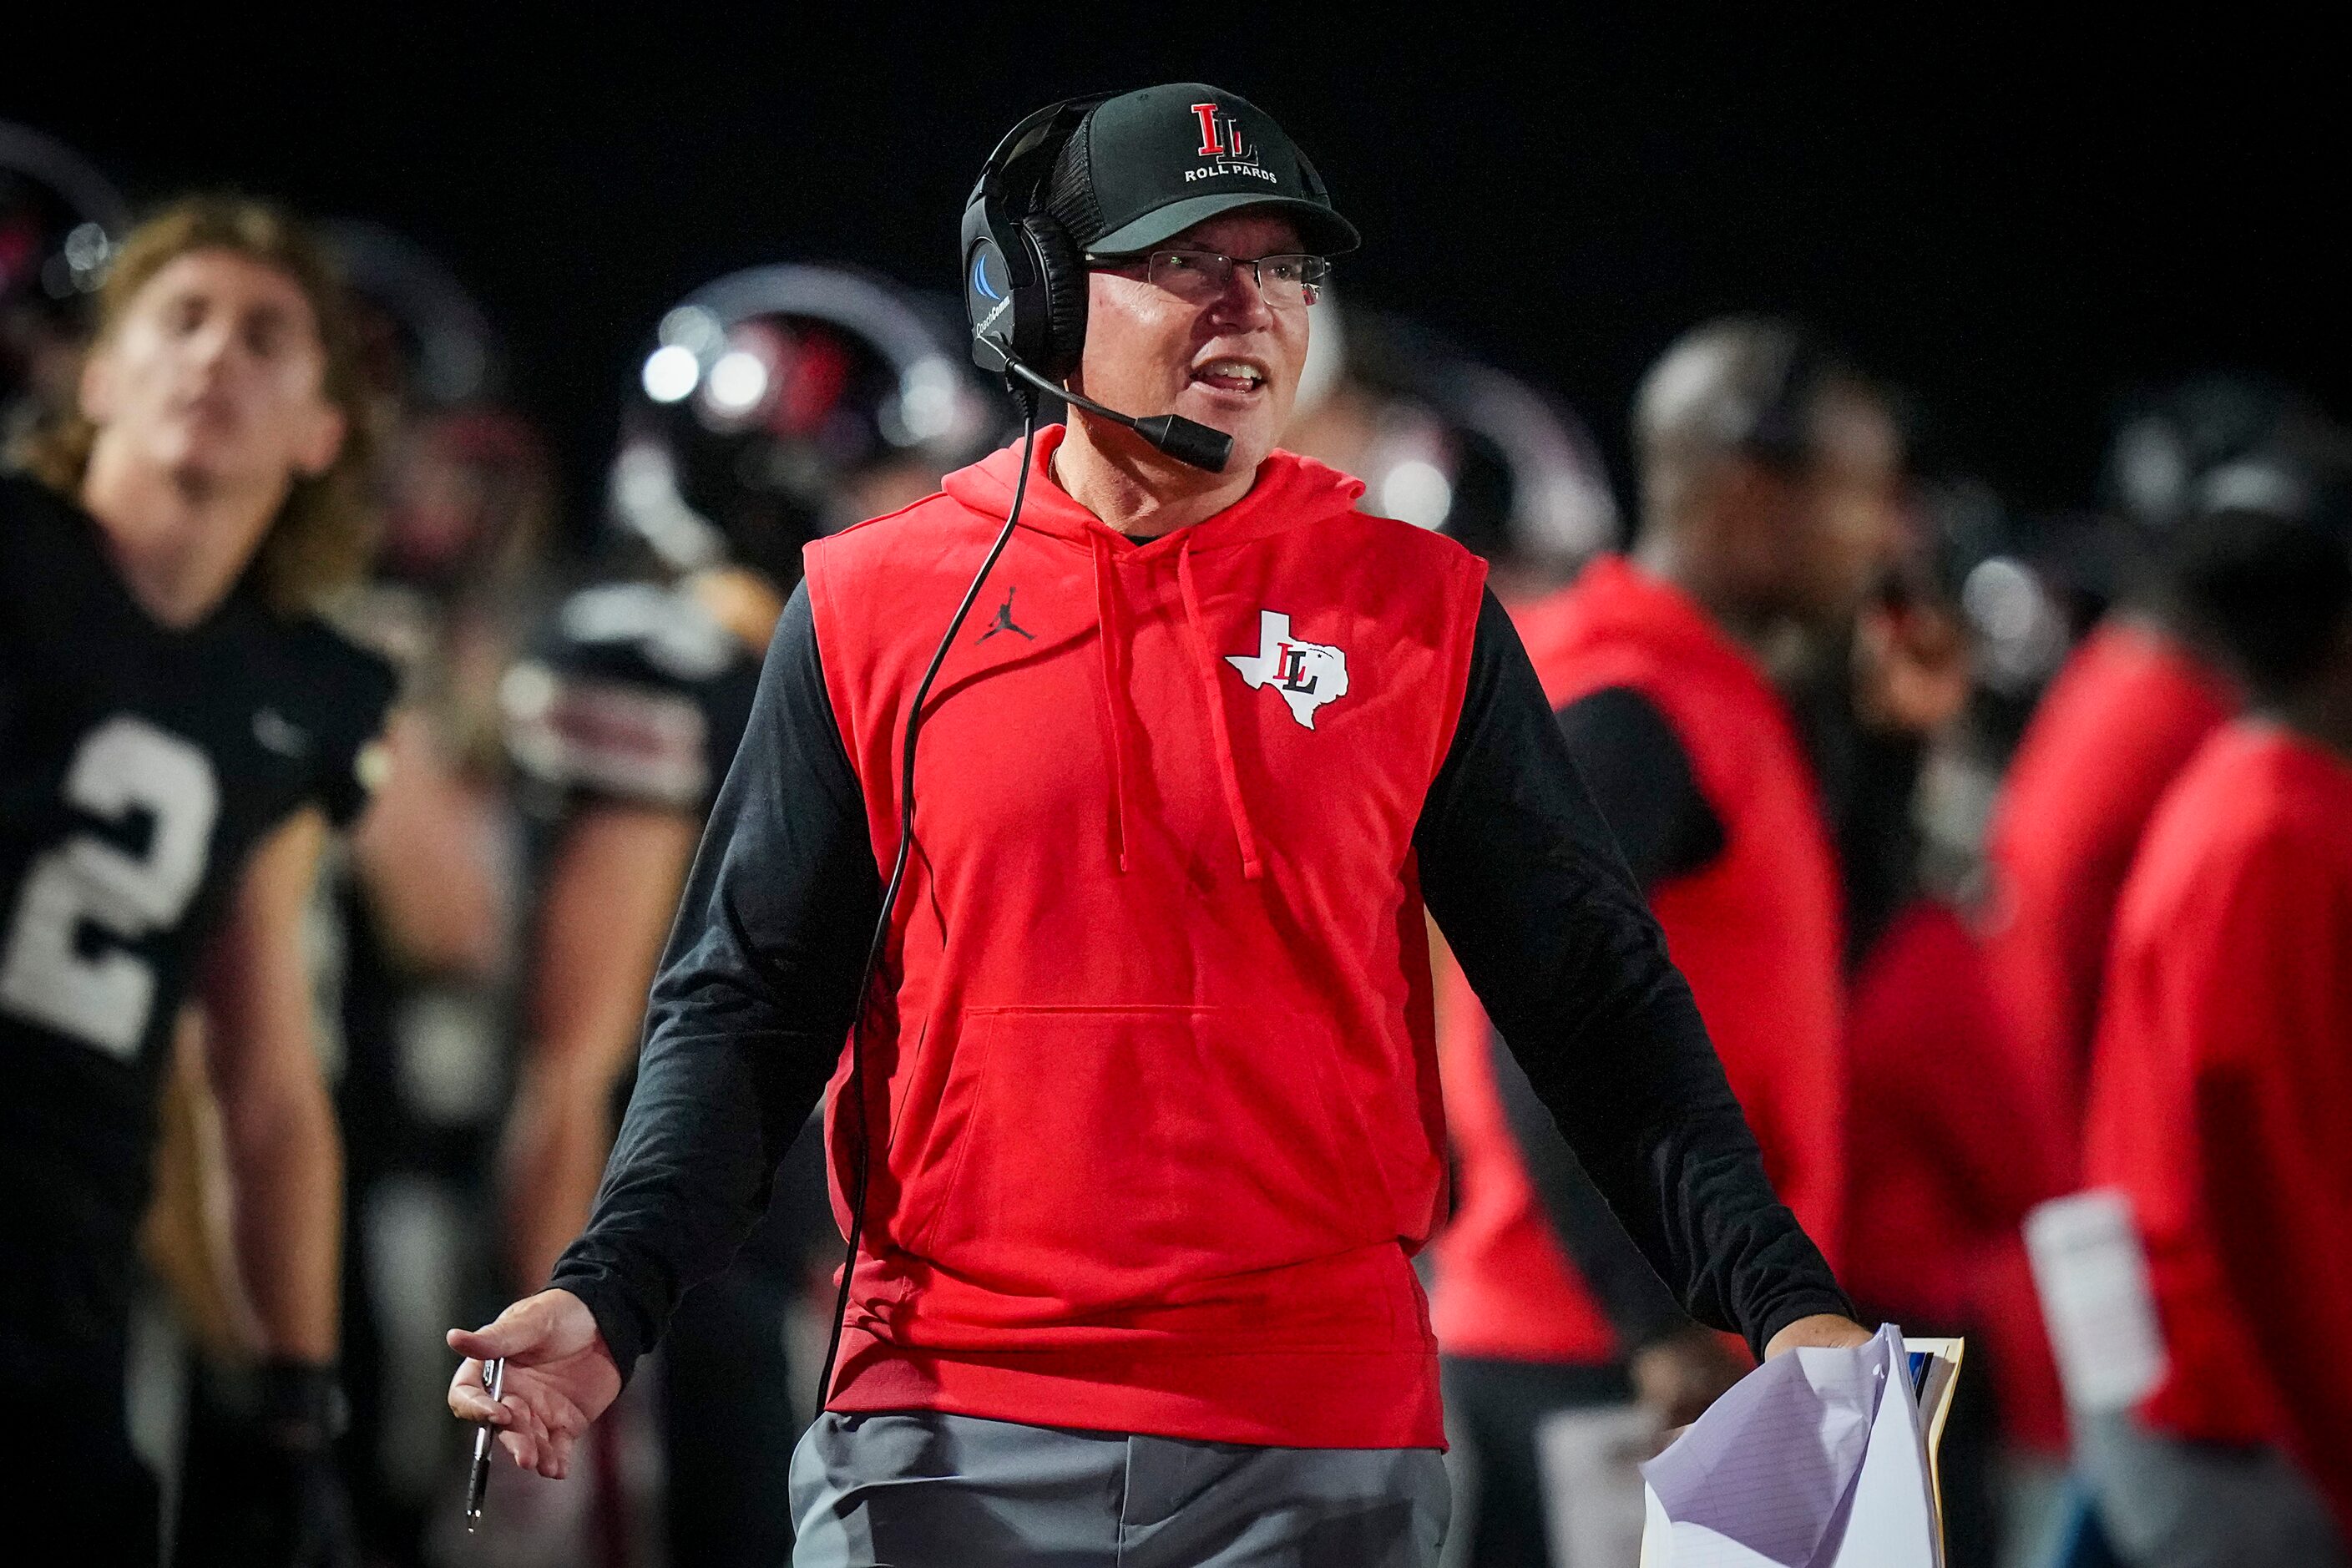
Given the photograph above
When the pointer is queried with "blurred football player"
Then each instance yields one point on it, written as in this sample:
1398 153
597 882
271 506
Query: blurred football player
775 405
178 734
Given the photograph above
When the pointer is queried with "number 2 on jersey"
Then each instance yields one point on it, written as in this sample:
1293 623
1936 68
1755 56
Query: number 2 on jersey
103 996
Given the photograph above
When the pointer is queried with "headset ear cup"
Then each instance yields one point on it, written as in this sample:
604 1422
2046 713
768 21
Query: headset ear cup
1062 279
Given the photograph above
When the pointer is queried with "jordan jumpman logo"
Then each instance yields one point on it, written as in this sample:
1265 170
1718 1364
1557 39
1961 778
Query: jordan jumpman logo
1004 619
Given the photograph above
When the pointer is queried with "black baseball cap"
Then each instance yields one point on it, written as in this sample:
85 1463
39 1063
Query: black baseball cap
1144 167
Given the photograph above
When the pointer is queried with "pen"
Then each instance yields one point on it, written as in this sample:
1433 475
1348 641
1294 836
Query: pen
494 1378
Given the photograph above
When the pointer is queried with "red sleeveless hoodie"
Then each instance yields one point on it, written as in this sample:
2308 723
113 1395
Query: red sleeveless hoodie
1755 933
1152 1088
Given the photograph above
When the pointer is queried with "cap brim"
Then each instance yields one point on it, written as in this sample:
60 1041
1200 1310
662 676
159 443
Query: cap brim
1321 230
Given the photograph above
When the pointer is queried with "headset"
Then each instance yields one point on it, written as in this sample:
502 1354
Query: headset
1025 284
1024 287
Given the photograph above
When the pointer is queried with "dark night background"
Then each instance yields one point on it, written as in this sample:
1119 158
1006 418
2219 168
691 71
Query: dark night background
2013 223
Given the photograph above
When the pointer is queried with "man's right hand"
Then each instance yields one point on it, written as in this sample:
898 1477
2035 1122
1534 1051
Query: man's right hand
558 1378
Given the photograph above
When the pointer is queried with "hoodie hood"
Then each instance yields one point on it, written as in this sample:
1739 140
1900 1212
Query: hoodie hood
1290 490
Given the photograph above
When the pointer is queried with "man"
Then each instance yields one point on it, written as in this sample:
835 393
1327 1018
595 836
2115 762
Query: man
1149 1097
1769 474
176 738
621 726
2220 1085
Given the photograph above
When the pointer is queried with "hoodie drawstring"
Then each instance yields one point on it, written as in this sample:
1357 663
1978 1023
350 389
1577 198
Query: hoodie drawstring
1205 662
1112 638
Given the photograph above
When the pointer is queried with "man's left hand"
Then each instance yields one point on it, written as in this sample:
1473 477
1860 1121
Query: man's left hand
1822 1330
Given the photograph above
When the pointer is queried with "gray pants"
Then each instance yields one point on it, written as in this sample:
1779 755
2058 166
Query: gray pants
2172 1503
920 1490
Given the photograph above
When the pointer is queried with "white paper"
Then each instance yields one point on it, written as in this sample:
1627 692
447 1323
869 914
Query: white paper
2091 1272
1591 1462
1891 1517
1813 1461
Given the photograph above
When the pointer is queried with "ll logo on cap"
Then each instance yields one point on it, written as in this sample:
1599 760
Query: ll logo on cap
1221 133
1220 139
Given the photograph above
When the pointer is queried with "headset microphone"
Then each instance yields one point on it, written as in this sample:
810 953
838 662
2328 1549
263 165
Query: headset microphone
1184 439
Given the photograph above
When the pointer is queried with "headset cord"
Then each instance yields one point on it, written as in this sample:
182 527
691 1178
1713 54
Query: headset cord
856 1086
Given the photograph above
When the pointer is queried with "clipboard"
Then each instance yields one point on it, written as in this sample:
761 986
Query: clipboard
1935 1372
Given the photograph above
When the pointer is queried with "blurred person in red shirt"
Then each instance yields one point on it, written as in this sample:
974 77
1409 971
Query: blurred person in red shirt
2133 703
1770 474
2129 709
2222 1077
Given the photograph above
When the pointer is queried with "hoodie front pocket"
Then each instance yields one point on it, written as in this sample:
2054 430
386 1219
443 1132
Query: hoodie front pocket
1103 1155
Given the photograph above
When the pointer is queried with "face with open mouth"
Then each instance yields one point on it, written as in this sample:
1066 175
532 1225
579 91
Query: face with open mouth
1226 359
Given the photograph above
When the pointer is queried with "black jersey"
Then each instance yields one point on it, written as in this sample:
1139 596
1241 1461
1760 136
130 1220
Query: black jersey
139 768
636 694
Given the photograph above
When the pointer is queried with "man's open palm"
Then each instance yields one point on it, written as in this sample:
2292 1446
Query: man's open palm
558 1378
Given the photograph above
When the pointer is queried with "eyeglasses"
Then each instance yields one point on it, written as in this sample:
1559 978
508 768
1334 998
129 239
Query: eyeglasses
1285 282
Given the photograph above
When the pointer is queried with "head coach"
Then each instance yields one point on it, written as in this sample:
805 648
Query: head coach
1140 1125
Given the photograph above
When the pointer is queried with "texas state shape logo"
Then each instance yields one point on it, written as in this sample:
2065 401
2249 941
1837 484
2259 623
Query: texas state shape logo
1305 674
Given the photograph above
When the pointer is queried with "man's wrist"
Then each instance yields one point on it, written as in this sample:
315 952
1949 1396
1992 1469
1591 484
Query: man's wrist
1826 1330
1792 1309
616 1315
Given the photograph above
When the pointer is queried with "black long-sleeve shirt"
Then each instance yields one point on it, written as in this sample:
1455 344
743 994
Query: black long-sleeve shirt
1639 775
755 994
